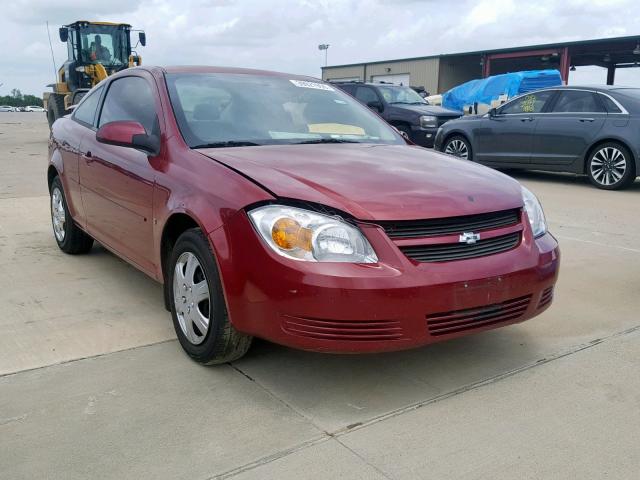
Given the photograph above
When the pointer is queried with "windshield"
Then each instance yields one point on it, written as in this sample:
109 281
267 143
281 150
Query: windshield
105 44
222 109
396 94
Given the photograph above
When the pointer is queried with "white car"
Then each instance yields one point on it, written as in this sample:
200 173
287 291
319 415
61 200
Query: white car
33 108
6 108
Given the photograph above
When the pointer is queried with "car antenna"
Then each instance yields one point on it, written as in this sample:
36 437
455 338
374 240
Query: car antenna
53 58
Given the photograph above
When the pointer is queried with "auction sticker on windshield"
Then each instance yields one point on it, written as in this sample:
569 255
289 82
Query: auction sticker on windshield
317 86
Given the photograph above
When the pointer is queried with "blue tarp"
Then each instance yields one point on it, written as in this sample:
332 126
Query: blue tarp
486 90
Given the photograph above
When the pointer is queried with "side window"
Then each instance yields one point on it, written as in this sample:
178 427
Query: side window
577 101
609 104
130 98
350 89
529 103
366 95
85 112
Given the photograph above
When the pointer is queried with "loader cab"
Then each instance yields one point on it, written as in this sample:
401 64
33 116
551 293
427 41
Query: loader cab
90 43
95 50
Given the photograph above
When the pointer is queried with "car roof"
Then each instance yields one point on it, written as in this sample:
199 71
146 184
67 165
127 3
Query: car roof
604 88
229 70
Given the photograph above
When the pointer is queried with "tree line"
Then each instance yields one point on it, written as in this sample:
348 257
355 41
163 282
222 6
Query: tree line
17 99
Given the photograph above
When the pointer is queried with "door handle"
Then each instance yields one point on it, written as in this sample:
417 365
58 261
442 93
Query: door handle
587 120
528 119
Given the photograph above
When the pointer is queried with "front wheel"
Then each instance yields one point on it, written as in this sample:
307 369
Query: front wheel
68 235
610 167
458 146
404 131
197 304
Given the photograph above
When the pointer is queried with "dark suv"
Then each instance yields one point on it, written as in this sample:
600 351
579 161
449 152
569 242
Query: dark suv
403 108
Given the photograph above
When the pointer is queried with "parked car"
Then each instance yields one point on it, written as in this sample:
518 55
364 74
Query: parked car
403 108
6 108
34 108
587 130
272 215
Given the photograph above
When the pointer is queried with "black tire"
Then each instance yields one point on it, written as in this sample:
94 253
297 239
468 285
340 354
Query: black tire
222 343
405 131
604 166
457 143
70 238
55 108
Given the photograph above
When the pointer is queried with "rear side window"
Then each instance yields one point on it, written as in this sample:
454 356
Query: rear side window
529 103
577 101
348 88
610 105
130 99
86 111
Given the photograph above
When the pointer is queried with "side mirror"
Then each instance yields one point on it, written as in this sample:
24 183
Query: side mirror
493 112
128 134
64 34
375 105
142 37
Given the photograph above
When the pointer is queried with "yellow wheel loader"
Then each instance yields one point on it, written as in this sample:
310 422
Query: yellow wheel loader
95 51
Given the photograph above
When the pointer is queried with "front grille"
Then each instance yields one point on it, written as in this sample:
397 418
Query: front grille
460 320
450 225
446 252
369 330
545 298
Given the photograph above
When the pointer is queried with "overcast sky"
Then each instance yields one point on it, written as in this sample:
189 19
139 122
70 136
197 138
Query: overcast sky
284 34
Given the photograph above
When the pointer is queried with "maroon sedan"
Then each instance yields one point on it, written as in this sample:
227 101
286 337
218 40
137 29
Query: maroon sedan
276 206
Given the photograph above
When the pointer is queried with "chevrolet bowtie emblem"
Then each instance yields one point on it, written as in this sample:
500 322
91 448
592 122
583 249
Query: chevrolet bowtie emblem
469 238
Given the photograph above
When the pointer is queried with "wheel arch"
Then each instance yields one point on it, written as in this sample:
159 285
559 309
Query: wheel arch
56 165
177 223
52 172
596 144
400 123
456 133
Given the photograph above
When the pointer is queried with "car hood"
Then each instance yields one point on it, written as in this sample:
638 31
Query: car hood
374 182
429 110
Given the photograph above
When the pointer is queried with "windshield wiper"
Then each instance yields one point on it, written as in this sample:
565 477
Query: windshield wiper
326 140
229 143
408 103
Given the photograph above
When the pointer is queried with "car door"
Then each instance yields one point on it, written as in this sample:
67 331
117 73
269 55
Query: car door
507 136
565 132
117 182
69 136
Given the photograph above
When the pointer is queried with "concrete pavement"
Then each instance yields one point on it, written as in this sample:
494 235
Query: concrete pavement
94 385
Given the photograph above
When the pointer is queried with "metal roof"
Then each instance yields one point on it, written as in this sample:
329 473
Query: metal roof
597 41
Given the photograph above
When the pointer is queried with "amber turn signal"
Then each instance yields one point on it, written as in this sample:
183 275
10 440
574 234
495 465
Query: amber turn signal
289 234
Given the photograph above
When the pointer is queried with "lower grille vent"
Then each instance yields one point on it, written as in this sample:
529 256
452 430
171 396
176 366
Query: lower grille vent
369 330
461 320
546 297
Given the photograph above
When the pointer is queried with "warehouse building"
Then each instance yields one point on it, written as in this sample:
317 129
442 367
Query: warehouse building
439 73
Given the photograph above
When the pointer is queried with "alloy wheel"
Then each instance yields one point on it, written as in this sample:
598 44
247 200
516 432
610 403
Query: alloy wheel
608 166
191 298
457 148
58 214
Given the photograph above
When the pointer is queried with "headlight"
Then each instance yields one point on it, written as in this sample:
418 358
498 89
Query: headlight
534 212
428 121
314 237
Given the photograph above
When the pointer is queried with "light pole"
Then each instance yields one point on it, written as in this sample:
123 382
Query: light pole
325 47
